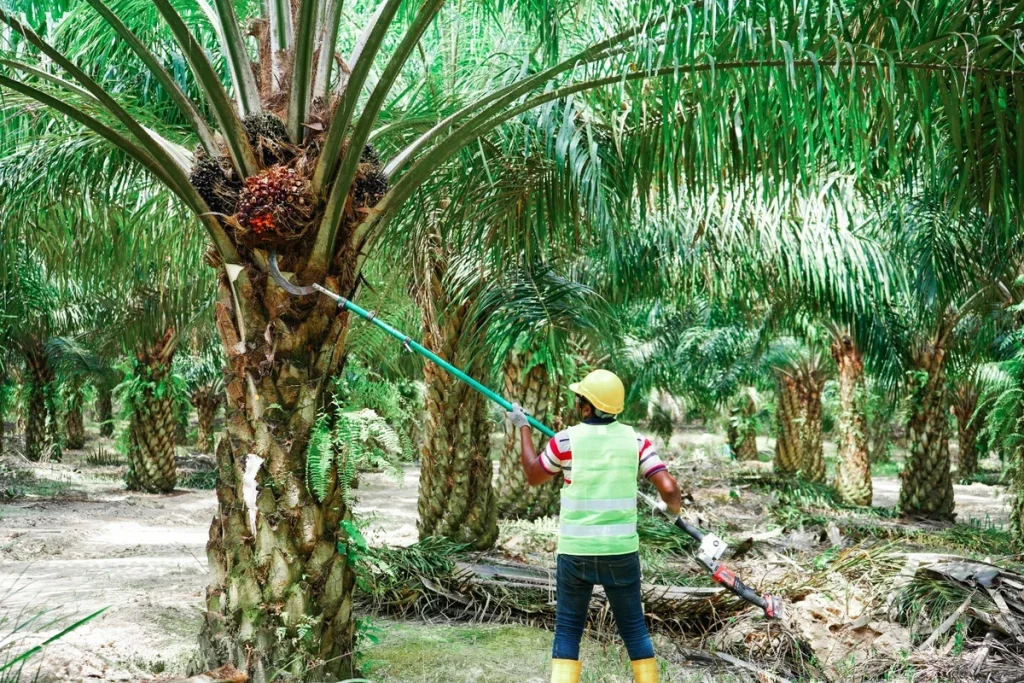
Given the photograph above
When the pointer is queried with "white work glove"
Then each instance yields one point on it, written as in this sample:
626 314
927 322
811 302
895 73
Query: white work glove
662 507
517 416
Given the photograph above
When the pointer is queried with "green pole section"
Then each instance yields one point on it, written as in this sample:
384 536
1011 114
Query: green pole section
413 345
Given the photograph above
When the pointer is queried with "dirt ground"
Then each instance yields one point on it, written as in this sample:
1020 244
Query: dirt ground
88 544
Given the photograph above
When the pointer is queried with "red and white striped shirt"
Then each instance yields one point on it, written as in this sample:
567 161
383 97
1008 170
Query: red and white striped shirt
557 456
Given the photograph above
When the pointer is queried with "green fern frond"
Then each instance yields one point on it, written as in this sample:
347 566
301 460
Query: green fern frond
320 458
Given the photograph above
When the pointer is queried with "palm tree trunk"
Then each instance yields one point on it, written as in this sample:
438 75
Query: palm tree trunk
181 415
853 474
206 403
1016 487
456 495
813 466
926 484
789 413
151 466
742 432
3 411
279 602
968 425
879 438
105 409
74 425
540 396
41 439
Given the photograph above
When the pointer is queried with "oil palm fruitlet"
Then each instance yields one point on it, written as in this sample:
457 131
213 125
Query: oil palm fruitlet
282 162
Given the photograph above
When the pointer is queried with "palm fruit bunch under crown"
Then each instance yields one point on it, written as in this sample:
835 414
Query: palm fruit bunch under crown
371 184
277 200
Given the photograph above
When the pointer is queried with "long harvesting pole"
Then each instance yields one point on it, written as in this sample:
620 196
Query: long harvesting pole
711 547
413 345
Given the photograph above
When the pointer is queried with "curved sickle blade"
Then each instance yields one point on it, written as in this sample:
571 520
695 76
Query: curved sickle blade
275 272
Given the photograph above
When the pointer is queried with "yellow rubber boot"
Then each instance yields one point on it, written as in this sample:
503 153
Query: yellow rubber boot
645 670
565 670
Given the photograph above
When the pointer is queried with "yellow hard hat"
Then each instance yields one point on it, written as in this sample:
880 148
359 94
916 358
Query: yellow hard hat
603 389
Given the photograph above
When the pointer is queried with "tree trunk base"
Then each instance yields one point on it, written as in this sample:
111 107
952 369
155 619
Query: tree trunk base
926 483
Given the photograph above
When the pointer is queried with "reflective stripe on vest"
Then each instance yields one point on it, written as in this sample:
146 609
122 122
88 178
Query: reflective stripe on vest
602 530
598 514
598 504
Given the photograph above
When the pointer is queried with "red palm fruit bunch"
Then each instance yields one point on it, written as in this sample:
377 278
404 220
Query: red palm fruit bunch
275 201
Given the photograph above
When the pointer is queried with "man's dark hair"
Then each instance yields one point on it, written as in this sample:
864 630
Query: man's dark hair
597 413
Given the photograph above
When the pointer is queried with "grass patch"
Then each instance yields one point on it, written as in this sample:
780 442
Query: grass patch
199 479
21 483
974 539
890 468
101 457
414 653
968 539
989 478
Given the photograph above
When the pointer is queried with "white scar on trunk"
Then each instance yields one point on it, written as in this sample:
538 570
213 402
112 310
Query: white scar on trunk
253 463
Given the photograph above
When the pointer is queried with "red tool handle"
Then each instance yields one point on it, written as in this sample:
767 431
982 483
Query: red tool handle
721 574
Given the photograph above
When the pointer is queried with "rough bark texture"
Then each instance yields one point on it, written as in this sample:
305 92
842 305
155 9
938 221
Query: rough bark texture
968 425
151 466
280 593
742 432
74 424
853 472
3 412
181 415
926 484
42 435
880 437
1016 487
540 396
789 413
207 402
105 410
456 496
812 467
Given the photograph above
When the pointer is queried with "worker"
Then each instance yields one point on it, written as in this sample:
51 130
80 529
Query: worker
598 543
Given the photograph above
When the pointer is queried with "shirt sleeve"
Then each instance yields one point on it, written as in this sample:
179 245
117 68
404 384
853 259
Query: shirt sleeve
650 463
556 455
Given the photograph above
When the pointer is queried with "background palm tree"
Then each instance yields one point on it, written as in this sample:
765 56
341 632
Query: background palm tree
38 308
204 379
940 314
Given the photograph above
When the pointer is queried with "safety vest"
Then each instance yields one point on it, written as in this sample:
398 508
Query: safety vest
598 514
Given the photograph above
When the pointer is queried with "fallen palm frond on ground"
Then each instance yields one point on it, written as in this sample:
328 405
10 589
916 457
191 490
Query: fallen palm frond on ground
433 579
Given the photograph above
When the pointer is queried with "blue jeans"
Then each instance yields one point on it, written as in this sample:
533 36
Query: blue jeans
576 577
